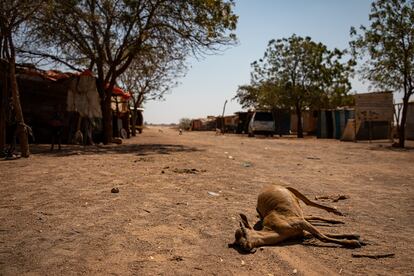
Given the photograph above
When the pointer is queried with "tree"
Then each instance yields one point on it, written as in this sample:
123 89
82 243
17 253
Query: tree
14 14
151 76
261 95
389 44
185 124
297 73
107 35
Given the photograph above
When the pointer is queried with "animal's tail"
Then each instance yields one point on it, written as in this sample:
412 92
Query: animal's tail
311 203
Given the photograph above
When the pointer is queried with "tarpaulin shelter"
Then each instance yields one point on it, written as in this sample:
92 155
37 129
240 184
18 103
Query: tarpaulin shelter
120 112
74 95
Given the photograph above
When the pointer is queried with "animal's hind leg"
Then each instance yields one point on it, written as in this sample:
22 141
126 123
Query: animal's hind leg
337 236
311 203
316 218
344 236
330 238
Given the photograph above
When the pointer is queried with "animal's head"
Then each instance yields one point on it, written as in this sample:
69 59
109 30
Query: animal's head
241 236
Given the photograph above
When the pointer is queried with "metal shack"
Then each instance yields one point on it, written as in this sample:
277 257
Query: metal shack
409 124
374 114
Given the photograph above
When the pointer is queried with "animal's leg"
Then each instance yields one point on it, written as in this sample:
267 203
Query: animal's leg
337 236
311 203
245 221
344 236
250 239
315 218
304 225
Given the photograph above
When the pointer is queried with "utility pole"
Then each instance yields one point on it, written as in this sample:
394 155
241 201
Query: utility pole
222 117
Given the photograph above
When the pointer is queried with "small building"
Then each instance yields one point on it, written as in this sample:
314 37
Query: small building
203 124
409 124
283 121
309 122
228 123
374 114
243 121
331 123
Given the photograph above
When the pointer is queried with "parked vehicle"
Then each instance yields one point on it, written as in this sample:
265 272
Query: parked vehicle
262 123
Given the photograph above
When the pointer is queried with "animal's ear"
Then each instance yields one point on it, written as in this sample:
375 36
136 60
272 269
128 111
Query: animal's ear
245 221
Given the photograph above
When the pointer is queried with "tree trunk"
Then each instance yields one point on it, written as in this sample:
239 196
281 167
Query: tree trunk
3 104
401 130
299 126
134 119
21 126
107 120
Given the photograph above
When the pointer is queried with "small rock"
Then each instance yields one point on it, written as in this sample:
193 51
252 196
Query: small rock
295 271
242 262
114 190
162 172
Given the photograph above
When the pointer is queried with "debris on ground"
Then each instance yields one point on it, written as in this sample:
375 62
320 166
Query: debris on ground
373 255
333 198
247 164
213 193
117 141
177 258
144 159
189 171
313 158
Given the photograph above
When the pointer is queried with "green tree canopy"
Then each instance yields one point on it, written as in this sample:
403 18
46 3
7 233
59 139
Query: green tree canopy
298 73
107 35
386 48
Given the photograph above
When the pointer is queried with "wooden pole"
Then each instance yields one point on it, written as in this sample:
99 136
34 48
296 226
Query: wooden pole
222 117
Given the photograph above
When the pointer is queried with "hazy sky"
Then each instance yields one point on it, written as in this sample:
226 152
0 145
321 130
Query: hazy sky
211 81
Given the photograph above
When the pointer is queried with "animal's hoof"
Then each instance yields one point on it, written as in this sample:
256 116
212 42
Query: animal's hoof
353 244
238 235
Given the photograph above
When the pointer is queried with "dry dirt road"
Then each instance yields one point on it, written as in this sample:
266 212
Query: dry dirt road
178 204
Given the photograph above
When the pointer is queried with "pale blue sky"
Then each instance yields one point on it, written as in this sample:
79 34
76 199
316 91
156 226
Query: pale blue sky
209 82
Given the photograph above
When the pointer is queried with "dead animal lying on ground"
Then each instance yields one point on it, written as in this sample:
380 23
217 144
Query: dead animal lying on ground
282 218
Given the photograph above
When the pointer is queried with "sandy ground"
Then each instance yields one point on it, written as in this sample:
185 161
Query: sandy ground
178 204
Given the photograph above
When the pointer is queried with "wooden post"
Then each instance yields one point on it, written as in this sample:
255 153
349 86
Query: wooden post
222 117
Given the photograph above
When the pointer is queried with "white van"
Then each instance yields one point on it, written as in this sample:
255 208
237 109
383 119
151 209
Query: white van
262 122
